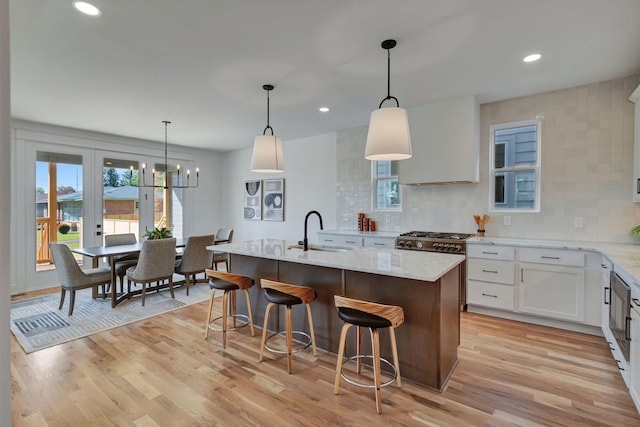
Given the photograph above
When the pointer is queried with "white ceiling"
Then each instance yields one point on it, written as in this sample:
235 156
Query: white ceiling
201 63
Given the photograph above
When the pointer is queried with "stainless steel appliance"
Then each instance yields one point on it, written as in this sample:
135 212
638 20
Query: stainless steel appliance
620 313
431 241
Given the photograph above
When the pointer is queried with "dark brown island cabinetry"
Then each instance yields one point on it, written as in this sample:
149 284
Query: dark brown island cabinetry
427 341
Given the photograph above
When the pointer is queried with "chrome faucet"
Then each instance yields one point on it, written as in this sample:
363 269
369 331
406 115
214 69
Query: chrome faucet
305 242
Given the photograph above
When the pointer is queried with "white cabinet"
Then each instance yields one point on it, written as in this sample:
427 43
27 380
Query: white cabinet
354 238
635 97
634 374
552 283
552 291
607 268
379 242
336 239
491 276
504 253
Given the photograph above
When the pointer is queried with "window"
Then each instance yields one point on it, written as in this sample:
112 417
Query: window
385 187
514 154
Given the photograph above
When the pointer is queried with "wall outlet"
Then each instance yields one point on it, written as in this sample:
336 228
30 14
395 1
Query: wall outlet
507 220
578 222
387 218
345 217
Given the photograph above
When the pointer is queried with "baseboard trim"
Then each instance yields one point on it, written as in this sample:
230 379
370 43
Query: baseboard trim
542 321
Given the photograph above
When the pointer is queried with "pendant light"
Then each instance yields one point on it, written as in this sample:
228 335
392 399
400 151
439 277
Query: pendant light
165 184
267 149
388 137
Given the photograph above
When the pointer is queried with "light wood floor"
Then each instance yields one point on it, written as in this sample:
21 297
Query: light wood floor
161 372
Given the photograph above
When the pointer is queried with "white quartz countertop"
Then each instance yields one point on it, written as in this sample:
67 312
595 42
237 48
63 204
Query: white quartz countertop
354 232
428 266
624 255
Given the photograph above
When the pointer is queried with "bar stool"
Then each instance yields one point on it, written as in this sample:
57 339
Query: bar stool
278 293
229 283
373 316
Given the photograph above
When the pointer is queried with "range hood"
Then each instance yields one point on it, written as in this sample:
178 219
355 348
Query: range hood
445 141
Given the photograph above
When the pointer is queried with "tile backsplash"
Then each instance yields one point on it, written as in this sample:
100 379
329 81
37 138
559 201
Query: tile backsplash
587 172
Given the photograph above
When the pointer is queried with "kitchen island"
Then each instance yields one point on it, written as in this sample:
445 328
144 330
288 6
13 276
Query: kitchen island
425 285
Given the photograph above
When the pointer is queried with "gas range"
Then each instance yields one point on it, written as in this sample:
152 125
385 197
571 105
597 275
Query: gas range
431 241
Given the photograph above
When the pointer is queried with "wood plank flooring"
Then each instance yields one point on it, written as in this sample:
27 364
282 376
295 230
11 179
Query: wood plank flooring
161 372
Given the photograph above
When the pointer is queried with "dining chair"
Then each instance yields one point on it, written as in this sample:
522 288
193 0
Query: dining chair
72 277
223 235
156 263
123 262
195 258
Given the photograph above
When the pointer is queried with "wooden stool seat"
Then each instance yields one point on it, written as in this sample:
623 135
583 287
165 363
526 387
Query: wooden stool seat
373 316
229 283
278 293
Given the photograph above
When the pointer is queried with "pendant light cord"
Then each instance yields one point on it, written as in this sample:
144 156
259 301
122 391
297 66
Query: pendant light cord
388 45
166 161
267 88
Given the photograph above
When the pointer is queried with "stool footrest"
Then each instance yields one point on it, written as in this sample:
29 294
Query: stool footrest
365 385
303 344
244 319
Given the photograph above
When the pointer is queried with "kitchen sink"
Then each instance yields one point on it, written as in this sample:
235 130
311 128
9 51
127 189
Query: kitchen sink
324 248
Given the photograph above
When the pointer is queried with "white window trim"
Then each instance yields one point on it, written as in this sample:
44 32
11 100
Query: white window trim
374 189
536 169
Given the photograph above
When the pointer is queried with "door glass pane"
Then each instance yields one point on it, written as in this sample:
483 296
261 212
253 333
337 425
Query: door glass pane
58 203
121 203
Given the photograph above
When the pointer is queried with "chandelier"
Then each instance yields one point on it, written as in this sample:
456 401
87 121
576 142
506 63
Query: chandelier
165 184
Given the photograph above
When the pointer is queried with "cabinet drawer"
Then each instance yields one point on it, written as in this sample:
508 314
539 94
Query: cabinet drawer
333 239
490 295
491 271
552 256
379 242
505 253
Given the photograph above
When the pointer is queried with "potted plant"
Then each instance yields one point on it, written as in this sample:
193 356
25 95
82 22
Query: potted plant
158 233
635 232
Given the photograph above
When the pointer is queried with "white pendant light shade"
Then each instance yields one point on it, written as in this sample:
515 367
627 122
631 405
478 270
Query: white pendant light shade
267 154
388 137
267 149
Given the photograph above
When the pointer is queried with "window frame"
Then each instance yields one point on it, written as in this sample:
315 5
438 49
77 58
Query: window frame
374 188
494 172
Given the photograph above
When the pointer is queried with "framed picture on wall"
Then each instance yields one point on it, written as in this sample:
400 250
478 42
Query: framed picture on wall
253 200
273 199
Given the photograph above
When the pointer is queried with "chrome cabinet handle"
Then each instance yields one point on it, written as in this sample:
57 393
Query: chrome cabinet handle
604 266
605 295
550 257
490 253
489 271
618 363
636 301
489 295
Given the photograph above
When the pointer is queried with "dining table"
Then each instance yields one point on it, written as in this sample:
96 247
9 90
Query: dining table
112 253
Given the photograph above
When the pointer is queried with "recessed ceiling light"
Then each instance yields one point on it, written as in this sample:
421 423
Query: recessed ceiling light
323 109
532 58
87 8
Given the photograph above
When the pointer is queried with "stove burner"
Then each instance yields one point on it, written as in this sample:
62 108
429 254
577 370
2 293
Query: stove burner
437 235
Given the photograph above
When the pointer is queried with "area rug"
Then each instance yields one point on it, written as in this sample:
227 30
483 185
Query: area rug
37 323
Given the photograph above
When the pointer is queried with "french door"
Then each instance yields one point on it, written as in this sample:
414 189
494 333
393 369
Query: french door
75 195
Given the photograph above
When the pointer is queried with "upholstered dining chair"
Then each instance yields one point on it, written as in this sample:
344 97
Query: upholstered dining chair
156 263
124 262
223 235
72 277
195 258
